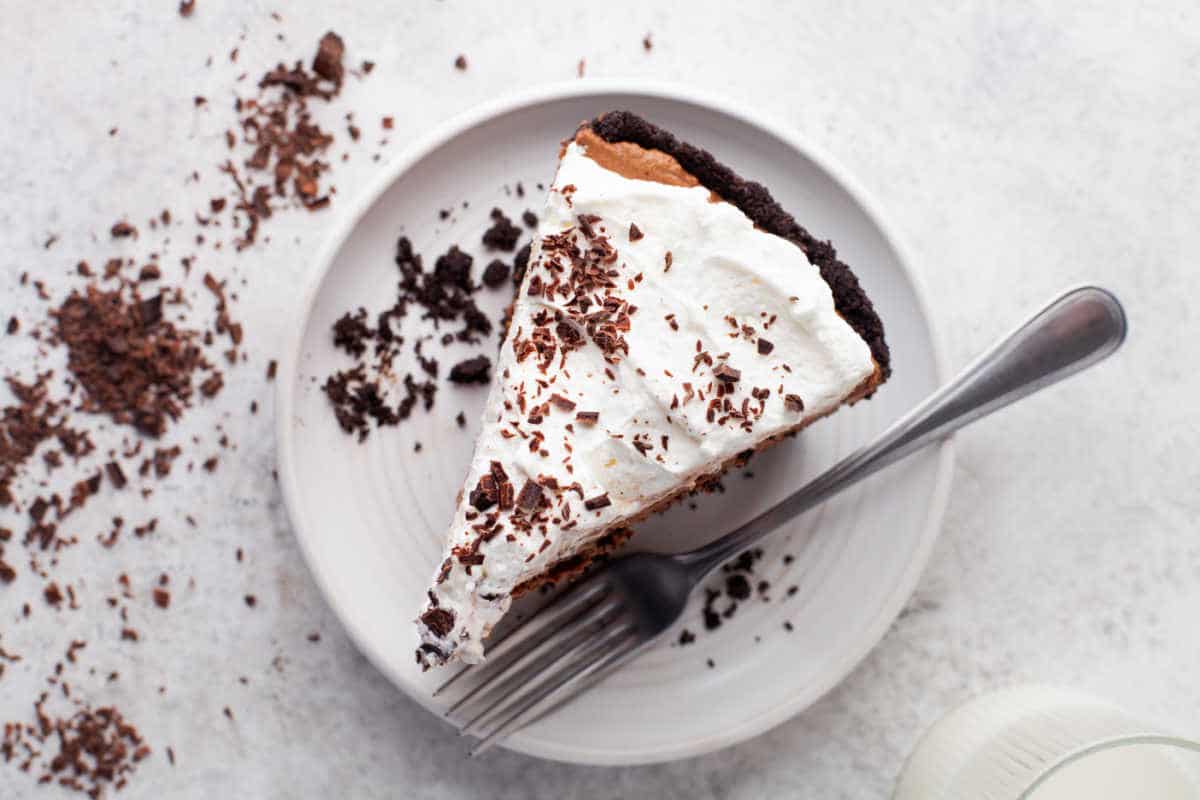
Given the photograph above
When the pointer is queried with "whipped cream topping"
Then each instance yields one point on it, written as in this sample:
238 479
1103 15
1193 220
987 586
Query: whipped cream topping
657 335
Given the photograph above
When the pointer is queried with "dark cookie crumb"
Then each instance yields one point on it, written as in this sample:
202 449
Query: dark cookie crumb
496 274
734 589
472 370
737 587
503 234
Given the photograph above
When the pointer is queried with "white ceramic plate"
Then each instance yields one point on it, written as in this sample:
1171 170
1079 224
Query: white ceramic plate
370 517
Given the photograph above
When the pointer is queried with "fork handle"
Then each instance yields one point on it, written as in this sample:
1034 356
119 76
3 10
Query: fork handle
1077 330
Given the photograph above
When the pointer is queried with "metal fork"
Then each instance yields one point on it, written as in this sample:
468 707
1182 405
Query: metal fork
600 623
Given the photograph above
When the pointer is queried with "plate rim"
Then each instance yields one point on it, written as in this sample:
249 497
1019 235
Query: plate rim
443 133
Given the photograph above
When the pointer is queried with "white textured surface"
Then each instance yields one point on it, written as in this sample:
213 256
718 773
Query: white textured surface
1021 147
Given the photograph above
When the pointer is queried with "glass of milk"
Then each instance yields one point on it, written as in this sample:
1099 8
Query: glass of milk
1040 743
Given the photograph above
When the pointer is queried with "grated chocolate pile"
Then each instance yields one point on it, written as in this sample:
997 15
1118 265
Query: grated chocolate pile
133 364
87 750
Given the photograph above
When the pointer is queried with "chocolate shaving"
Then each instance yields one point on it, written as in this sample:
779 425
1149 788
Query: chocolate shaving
597 502
530 497
122 229
562 403
506 496
726 373
485 494
440 621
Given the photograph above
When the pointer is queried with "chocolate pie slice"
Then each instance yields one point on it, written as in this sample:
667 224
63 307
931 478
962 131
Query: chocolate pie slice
672 319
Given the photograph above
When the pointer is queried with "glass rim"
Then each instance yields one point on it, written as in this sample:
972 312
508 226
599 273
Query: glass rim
1103 745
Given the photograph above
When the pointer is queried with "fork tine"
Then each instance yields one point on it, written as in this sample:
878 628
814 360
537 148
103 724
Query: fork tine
541 622
558 692
580 683
516 675
538 684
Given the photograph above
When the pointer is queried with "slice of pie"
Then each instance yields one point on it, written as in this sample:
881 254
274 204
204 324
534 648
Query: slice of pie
672 319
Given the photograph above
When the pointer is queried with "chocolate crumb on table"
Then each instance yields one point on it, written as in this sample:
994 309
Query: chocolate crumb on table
85 749
283 144
132 364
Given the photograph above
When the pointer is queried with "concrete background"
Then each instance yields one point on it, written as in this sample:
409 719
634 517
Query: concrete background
1019 147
